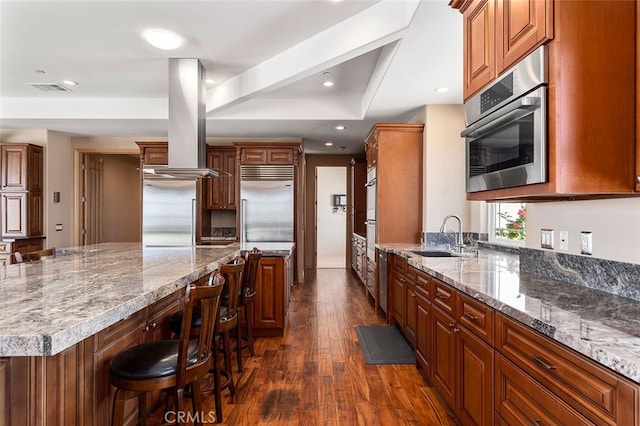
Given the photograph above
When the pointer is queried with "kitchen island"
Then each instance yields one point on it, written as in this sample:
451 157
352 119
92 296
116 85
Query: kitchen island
542 351
62 319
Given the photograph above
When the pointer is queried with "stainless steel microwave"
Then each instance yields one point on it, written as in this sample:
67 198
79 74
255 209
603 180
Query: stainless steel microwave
506 134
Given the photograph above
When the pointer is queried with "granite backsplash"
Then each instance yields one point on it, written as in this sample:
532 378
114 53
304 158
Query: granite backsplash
619 278
225 233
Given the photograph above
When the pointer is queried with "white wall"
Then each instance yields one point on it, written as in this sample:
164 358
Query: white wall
332 226
615 226
58 176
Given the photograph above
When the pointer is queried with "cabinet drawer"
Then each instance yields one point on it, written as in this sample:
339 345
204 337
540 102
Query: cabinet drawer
423 283
476 317
443 297
521 400
115 332
399 264
5 248
597 393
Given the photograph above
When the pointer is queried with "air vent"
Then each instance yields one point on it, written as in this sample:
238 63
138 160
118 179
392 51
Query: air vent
266 172
50 87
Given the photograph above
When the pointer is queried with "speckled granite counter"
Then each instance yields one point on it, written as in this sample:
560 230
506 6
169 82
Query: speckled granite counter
602 326
50 305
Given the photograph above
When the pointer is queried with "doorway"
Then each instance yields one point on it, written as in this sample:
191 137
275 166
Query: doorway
331 217
110 203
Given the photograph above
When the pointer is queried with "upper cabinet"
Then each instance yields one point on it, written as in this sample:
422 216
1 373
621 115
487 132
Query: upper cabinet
268 155
154 153
22 190
358 199
221 192
591 68
498 33
397 149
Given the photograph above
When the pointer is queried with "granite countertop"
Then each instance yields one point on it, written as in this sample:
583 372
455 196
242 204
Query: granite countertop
49 305
601 326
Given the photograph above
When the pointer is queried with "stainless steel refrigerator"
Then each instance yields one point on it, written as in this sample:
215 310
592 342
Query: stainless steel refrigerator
266 208
168 212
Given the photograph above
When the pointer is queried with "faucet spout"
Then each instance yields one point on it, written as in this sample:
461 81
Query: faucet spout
460 241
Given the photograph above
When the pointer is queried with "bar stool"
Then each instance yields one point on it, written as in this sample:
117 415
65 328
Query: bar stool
170 365
247 297
228 321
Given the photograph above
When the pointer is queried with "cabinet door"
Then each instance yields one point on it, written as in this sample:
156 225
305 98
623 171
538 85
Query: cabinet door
156 156
123 335
411 315
14 214
14 167
399 293
475 390
444 358
423 334
253 156
280 156
229 179
269 303
521 400
521 26
479 45
35 213
215 199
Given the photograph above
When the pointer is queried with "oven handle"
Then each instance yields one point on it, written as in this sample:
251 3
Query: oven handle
516 110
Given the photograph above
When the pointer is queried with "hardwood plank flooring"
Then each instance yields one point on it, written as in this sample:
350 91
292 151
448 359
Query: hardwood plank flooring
316 374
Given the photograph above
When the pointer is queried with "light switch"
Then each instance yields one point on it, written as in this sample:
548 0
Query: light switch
546 238
58 227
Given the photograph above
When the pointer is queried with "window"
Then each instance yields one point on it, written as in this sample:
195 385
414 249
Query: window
507 223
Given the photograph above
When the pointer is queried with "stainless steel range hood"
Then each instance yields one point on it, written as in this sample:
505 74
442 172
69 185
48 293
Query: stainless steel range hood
187 123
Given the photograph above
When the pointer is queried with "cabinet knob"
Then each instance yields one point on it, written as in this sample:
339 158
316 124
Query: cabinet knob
638 178
451 325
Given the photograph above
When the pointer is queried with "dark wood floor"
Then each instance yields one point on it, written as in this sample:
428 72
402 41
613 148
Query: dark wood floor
316 374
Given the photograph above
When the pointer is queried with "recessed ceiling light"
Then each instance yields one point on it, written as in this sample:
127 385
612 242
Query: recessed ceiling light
328 144
340 127
440 89
70 82
327 83
163 39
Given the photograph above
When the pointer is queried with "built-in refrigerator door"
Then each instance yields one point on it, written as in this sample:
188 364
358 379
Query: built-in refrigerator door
266 211
168 212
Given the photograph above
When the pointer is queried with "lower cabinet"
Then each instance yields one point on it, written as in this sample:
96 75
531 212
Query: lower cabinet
273 287
359 256
25 245
491 369
73 386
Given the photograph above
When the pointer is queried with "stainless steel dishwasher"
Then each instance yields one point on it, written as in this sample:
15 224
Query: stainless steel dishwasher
382 280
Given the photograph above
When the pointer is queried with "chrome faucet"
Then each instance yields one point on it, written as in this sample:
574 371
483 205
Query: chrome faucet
460 243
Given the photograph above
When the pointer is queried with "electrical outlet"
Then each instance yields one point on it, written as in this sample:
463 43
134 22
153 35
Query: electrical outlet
546 238
586 243
58 227
564 240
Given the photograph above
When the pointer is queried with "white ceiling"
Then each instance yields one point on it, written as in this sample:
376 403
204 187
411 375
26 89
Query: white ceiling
267 57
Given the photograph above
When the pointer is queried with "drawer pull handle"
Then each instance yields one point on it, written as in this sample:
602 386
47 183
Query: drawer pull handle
542 364
442 297
471 317
536 422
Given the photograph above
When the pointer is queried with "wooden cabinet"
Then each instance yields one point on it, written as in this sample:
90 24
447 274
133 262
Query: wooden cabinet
595 392
403 298
256 154
221 191
397 155
462 367
154 153
598 159
423 346
498 33
359 256
273 287
371 282
358 196
147 325
22 190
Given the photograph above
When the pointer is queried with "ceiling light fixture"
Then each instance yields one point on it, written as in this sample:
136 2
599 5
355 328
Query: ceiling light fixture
328 144
327 83
440 89
163 39
340 127
70 82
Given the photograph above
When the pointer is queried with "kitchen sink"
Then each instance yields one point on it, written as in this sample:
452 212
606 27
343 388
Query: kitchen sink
433 253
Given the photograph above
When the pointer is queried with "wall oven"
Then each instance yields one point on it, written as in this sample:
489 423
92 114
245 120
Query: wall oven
506 135
371 214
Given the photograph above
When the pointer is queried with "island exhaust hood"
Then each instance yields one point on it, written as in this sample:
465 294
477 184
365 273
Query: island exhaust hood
187 123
